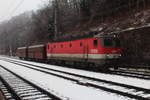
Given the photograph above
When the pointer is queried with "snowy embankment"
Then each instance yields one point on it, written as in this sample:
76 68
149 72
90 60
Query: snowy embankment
61 87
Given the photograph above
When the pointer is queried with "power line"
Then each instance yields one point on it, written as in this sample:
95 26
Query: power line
8 8
14 10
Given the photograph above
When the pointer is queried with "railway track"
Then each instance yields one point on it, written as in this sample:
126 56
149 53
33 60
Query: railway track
109 86
131 74
15 87
6 92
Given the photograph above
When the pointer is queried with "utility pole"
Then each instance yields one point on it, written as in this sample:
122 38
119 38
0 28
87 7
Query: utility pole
10 50
56 18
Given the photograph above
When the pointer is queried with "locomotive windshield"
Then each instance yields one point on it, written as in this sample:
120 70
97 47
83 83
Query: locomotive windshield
111 42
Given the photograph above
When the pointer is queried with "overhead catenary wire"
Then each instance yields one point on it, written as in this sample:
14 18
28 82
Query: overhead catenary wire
8 8
16 8
13 11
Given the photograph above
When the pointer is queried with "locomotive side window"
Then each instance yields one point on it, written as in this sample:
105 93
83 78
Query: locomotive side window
95 43
81 44
70 45
61 46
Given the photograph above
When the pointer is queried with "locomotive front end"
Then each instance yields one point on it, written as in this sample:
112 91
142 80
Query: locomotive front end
109 50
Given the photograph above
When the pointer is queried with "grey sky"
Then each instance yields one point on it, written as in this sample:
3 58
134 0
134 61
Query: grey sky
7 7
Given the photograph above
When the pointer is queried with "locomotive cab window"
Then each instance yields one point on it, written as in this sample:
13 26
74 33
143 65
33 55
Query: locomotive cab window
111 42
108 42
117 42
95 42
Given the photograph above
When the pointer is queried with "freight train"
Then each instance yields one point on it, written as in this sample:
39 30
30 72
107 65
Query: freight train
100 52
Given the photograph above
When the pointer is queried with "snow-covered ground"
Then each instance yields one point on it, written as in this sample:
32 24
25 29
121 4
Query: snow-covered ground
59 86
114 78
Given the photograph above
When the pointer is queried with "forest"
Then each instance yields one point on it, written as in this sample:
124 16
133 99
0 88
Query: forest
68 19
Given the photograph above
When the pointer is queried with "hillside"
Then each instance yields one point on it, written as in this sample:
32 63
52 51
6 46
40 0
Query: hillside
117 22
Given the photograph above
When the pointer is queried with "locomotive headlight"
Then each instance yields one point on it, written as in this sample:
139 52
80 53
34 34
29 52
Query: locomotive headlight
107 55
113 56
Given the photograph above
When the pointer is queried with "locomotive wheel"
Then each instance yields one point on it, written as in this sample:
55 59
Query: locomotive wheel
101 68
116 67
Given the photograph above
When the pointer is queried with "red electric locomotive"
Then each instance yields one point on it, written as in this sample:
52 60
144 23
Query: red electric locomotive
101 50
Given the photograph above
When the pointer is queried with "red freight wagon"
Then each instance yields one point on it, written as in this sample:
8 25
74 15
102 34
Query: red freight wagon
37 52
22 52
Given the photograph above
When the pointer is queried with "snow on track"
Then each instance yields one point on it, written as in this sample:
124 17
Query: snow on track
114 78
61 86
19 87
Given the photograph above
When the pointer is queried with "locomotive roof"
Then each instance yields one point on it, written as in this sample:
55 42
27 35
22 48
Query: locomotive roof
85 37
105 35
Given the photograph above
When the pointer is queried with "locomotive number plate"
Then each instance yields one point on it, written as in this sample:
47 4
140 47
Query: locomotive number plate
94 51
